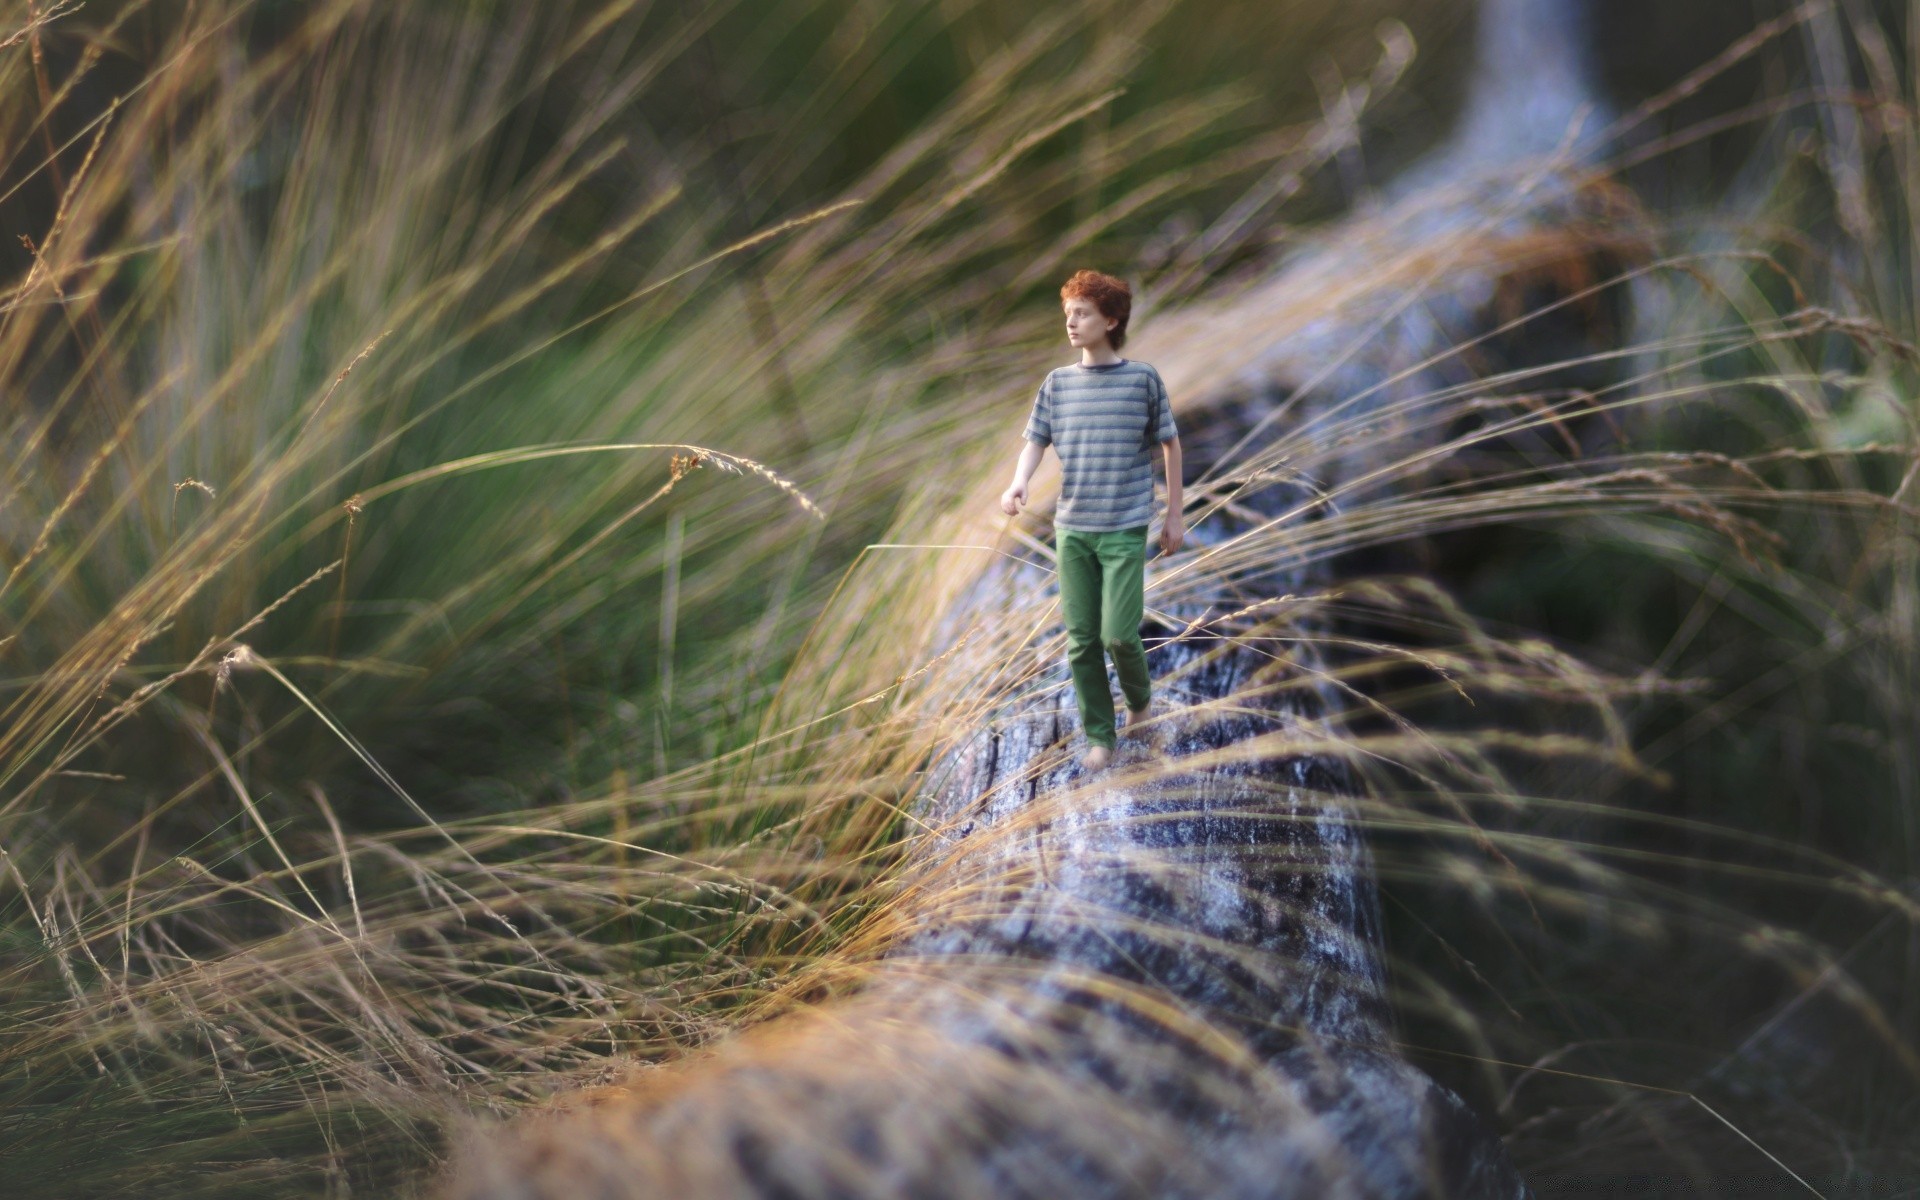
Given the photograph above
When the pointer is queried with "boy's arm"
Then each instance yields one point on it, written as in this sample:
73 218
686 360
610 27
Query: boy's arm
1174 529
1170 454
1036 439
1030 454
1016 494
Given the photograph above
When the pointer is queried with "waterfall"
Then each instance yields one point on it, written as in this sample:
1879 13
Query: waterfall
1532 91
1532 83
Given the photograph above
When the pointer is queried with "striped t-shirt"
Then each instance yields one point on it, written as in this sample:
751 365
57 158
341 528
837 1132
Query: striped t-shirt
1103 422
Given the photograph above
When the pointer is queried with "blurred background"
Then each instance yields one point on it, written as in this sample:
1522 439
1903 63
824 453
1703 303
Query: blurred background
434 429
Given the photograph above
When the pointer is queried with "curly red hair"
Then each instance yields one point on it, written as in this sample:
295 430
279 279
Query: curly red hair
1109 294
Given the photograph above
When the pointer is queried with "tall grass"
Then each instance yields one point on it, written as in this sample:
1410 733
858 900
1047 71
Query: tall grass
474 558
1706 954
361 356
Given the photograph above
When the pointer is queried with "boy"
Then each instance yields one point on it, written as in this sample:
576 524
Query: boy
1102 416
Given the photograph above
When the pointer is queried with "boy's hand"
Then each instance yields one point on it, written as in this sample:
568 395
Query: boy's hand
1172 533
1012 499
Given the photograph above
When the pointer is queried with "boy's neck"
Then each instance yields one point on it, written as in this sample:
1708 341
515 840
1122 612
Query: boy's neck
1099 354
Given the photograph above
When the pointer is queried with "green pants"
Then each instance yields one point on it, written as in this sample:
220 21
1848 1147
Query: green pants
1102 576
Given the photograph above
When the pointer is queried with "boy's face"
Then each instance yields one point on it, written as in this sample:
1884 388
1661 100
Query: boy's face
1085 326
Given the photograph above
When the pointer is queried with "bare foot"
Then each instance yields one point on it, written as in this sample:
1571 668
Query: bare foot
1096 759
1132 728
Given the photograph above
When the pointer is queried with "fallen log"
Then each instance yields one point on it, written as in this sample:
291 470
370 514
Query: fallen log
1166 979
